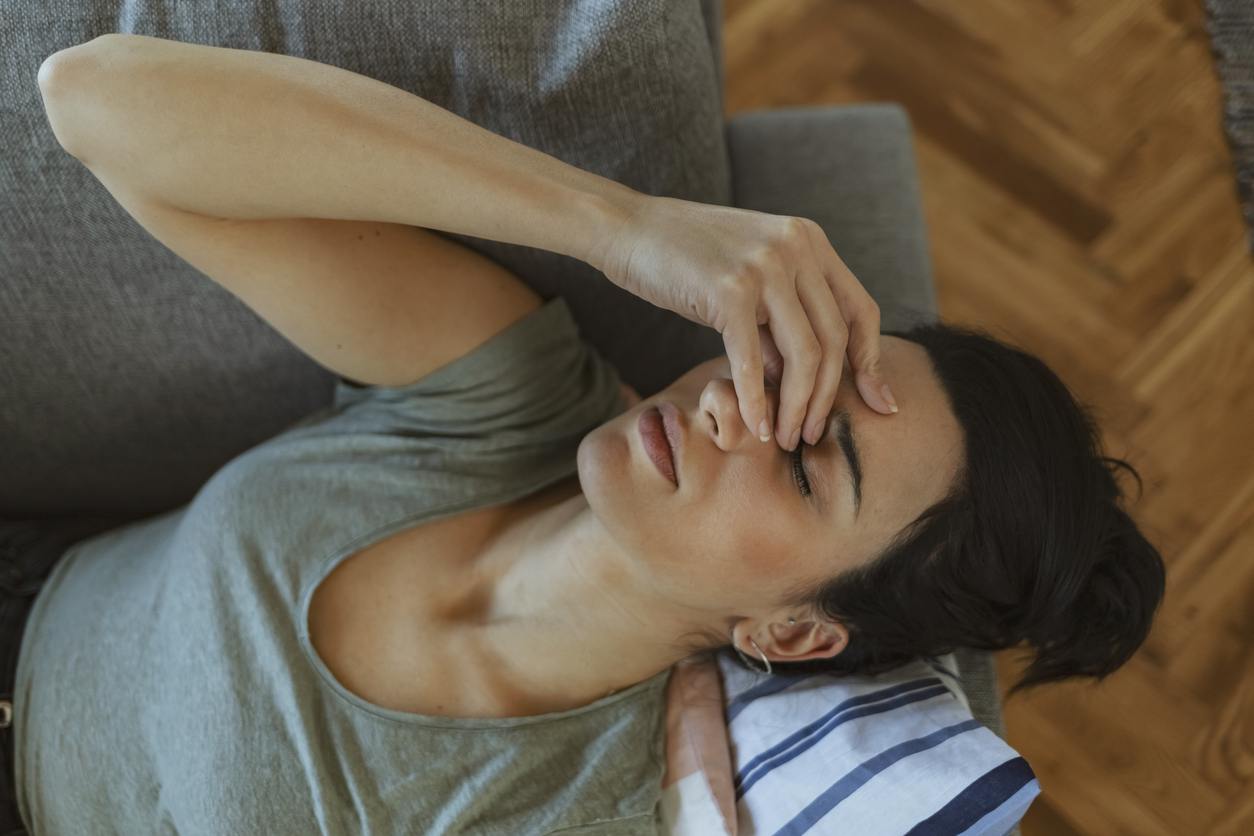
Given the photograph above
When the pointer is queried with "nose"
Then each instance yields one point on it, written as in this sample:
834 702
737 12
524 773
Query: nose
720 413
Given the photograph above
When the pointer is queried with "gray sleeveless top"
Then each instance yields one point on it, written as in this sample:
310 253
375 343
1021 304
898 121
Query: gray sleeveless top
167 684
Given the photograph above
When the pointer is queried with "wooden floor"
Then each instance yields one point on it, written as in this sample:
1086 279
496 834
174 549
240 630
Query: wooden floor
1080 202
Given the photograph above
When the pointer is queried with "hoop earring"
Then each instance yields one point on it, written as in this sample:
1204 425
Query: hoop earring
763 655
750 662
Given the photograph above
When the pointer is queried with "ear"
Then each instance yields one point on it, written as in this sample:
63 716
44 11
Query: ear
806 640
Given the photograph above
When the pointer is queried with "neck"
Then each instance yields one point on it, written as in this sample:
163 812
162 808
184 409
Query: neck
568 617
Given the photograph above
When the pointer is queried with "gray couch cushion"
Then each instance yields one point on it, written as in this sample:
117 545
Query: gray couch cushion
130 377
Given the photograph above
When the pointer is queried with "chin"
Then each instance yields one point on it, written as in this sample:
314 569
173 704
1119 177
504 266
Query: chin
603 454
611 482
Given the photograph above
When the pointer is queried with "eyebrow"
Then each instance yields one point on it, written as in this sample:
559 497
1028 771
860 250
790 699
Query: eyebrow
845 440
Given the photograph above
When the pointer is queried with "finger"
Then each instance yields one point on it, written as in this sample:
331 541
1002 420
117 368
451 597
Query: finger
864 358
864 355
744 352
802 351
832 333
772 360
862 316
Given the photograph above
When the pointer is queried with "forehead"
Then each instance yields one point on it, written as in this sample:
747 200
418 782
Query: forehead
910 458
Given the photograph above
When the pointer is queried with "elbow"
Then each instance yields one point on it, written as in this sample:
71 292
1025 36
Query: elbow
59 67
81 84
52 88
52 72
59 81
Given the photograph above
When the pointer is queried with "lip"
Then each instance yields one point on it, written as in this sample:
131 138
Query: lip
674 434
662 448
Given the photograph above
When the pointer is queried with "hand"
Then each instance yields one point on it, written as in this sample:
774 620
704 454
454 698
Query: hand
788 308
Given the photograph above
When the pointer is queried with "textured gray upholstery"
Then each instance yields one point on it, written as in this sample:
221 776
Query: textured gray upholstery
978 670
712 12
134 377
129 377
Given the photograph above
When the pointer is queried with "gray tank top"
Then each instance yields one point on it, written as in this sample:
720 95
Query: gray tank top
167 684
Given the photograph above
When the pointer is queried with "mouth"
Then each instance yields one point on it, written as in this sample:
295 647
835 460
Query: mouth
660 436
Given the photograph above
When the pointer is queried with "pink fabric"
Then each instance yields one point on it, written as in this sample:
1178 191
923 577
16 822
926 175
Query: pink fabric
696 733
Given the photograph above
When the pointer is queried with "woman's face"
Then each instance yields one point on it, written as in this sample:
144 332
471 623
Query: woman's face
737 535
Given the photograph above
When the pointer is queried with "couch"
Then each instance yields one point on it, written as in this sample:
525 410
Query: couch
130 378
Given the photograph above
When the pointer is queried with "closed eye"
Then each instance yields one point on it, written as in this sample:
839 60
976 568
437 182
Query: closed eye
798 466
799 471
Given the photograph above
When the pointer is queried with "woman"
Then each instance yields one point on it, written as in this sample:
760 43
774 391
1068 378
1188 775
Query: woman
449 602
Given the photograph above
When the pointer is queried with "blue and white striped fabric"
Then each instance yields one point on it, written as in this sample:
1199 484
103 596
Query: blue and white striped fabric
893 755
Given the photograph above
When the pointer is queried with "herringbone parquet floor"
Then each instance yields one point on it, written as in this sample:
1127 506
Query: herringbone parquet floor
1080 203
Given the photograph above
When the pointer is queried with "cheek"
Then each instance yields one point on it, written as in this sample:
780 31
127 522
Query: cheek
725 547
738 539
773 541
747 521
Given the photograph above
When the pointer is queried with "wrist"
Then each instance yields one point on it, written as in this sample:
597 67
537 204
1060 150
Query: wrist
607 211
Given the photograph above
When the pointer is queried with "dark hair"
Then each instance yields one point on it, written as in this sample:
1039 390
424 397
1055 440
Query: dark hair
1030 545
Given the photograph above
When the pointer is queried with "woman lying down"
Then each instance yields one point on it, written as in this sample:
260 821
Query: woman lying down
450 603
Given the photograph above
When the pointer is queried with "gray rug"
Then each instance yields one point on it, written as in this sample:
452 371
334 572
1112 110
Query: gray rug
1231 28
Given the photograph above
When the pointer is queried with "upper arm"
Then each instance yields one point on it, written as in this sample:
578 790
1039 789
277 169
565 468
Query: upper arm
380 303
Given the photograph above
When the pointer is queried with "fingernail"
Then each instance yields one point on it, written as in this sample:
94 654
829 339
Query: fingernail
792 442
764 430
888 396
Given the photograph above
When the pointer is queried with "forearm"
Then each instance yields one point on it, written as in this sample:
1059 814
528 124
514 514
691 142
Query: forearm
241 134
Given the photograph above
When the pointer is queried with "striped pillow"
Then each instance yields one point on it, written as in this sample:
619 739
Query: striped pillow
892 755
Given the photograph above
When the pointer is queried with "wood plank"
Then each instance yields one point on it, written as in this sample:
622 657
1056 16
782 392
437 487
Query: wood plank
1044 819
951 187
1167 346
1238 820
1094 804
942 121
1216 537
1225 750
1017 295
1145 771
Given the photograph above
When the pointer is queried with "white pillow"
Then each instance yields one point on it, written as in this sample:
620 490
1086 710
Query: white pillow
892 755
